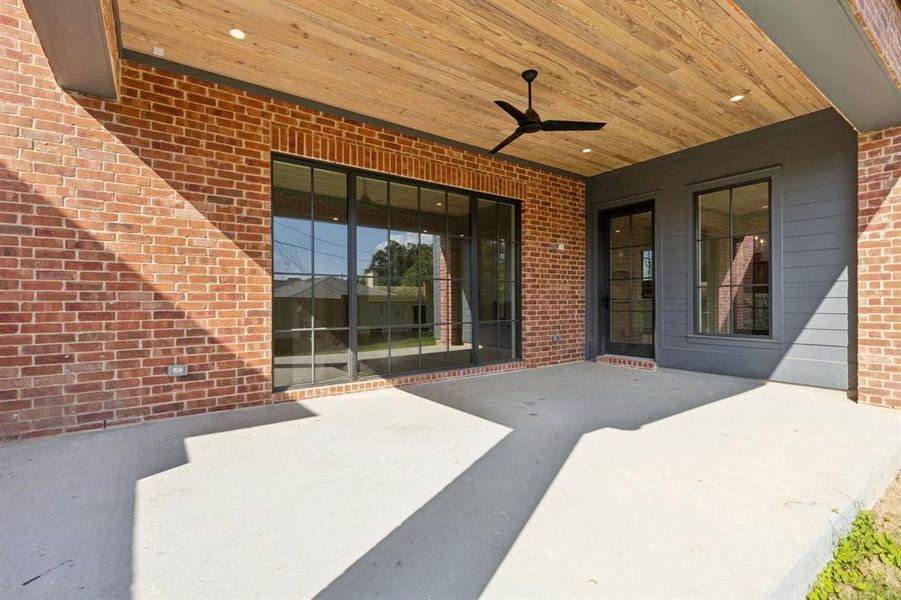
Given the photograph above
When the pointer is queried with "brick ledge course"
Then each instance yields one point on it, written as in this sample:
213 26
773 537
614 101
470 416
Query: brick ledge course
631 362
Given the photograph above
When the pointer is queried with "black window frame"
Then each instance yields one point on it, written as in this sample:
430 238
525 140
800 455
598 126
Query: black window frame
313 330
696 270
353 174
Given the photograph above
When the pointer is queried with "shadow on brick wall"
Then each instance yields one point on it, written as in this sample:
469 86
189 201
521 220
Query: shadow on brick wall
91 337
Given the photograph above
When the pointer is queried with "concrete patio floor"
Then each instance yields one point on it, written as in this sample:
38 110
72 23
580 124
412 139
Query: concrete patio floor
578 481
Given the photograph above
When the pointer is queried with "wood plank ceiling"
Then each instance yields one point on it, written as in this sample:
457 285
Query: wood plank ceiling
660 72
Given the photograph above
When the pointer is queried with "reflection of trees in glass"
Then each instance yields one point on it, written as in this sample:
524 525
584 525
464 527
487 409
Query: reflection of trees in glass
402 262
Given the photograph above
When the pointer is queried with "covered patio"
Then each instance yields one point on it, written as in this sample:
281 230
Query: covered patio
340 286
574 480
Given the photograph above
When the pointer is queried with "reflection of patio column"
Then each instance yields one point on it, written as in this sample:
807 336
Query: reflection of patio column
447 307
723 292
461 296
715 262
439 272
441 288
743 257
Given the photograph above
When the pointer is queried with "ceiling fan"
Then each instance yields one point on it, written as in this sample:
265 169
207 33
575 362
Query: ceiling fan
530 122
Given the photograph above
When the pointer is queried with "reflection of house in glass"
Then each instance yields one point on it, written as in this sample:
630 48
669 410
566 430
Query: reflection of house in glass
421 258
331 301
405 306
410 305
306 311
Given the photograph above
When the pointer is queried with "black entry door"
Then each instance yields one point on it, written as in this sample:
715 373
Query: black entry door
627 312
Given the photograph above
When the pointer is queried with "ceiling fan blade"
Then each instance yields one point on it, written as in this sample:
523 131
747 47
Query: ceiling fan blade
509 139
512 111
570 126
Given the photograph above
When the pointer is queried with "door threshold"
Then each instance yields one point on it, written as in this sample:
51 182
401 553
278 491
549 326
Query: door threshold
630 362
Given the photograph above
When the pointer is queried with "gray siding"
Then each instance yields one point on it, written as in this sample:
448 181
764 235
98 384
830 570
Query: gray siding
814 161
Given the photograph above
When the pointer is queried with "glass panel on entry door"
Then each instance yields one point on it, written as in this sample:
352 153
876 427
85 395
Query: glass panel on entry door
628 313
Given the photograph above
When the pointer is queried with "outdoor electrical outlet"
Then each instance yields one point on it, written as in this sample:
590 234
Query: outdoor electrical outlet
176 370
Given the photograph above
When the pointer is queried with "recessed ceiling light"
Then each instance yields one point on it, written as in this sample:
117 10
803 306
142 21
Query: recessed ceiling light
334 218
737 98
586 150
158 51
438 203
237 33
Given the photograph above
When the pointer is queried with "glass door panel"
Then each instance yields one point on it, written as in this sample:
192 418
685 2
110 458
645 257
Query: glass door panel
628 286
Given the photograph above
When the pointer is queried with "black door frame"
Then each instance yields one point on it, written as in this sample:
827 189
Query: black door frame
605 346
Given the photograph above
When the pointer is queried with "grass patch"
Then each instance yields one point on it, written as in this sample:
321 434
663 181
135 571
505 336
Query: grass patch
867 562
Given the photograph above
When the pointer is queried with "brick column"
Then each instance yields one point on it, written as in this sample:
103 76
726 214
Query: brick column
879 267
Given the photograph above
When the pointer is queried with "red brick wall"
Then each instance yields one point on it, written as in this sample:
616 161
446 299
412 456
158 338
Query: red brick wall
136 233
879 267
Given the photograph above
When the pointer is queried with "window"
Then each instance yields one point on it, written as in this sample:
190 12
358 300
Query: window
498 287
630 239
397 291
309 304
732 233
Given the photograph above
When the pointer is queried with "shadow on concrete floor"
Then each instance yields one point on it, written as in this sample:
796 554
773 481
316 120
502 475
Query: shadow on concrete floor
452 546
540 482
81 546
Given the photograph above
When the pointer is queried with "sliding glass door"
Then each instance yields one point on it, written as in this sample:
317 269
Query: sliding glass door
309 305
376 276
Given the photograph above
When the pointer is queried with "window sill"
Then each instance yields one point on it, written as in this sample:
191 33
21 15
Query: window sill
425 374
737 341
